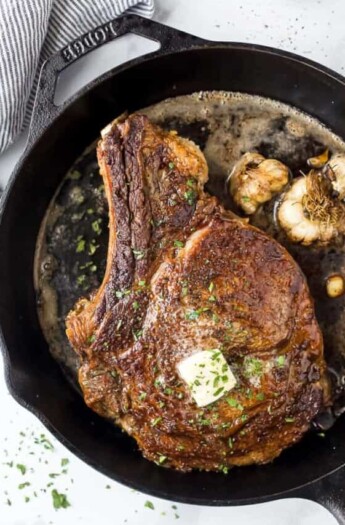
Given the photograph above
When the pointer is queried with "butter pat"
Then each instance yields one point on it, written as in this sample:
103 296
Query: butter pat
207 375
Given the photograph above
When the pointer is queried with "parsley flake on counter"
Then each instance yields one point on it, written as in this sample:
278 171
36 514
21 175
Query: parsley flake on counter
22 468
60 501
149 505
23 485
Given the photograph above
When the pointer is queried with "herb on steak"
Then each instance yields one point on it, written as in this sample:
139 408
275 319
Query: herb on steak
190 196
281 360
179 244
138 254
253 366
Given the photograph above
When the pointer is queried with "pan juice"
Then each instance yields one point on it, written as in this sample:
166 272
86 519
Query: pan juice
72 244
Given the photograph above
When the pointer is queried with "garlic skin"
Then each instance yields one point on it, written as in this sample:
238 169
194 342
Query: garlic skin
254 180
308 213
335 170
335 286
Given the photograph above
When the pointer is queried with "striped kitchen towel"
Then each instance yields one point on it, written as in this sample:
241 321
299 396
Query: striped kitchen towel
31 31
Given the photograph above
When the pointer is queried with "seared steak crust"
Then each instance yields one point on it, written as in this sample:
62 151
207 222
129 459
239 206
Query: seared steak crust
185 275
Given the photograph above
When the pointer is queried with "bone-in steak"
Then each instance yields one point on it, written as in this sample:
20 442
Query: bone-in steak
184 276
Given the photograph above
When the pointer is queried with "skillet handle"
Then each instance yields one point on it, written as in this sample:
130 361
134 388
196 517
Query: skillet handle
45 111
329 492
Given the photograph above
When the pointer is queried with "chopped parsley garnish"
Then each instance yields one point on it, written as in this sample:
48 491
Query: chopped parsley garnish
60 501
96 226
80 244
23 485
138 254
81 279
215 318
136 305
162 459
194 314
90 211
156 421
253 366
22 468
86 265
245 198
281 360
212 299
260 396
142 283
211 287
93 247
224 469
44 441
218 391
234 403
190 196
149 505
179 244
289 419
137 334
121 293
191 183
205 422
171 165
184 291
64 462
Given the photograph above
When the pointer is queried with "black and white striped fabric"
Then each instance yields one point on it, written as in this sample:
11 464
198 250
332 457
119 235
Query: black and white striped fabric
31 31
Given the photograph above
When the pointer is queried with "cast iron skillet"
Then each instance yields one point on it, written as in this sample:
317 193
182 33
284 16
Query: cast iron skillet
183 64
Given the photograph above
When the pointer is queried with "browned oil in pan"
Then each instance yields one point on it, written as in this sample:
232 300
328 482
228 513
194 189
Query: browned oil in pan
72 246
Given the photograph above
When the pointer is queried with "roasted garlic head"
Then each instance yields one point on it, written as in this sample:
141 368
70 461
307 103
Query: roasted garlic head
310 212
254 180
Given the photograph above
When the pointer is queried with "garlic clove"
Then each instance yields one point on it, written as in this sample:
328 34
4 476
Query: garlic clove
319 161
335 285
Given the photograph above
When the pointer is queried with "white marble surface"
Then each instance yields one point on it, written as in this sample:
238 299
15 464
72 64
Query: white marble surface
313 28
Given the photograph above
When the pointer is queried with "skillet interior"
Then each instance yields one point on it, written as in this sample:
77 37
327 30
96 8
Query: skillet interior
34 378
